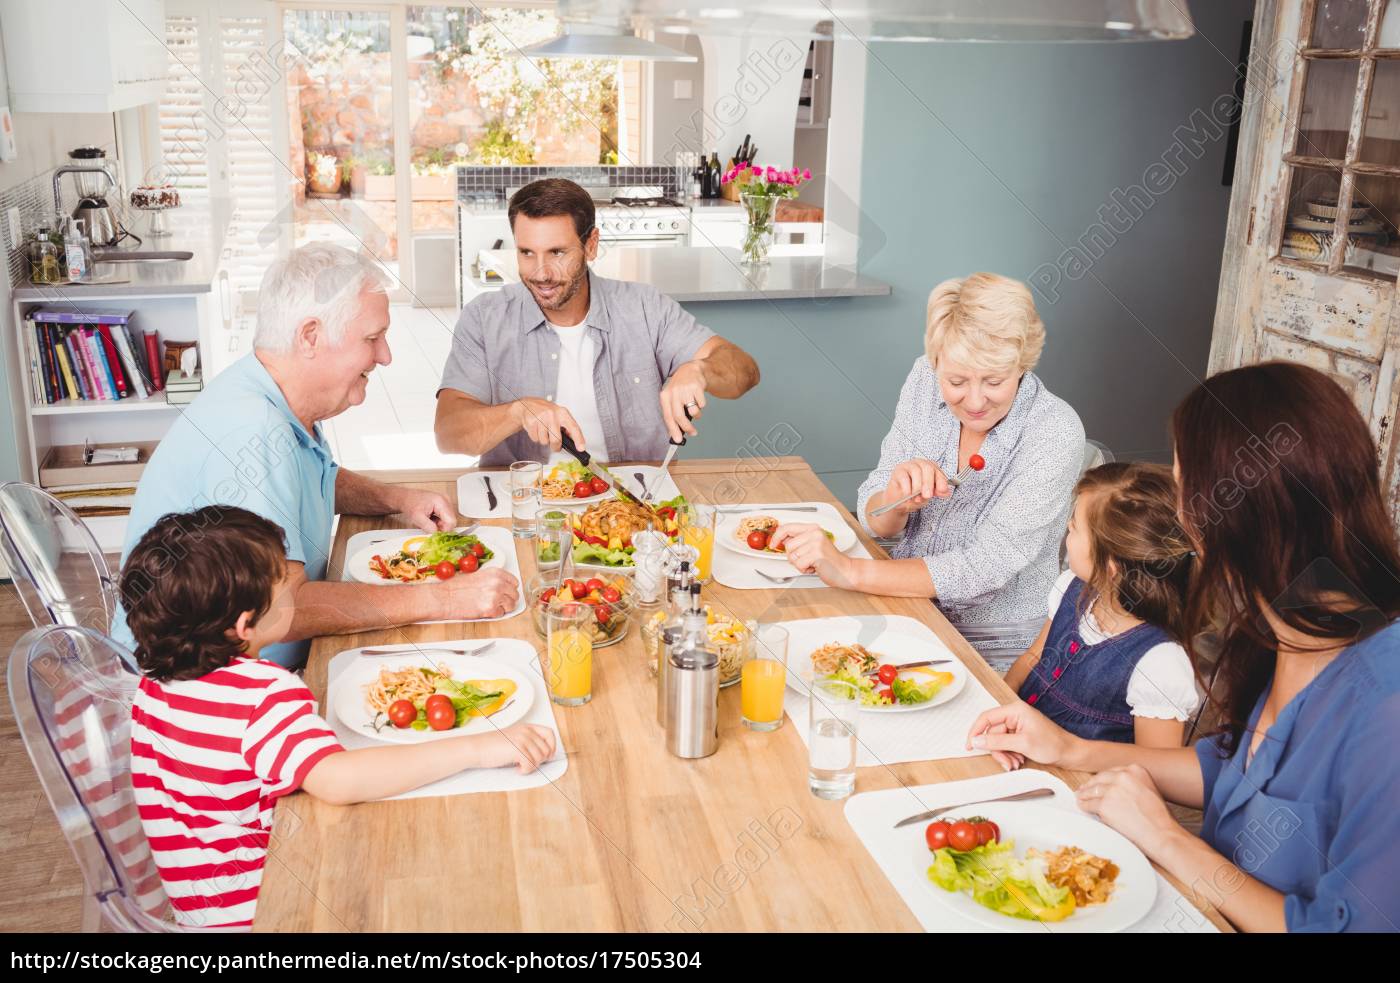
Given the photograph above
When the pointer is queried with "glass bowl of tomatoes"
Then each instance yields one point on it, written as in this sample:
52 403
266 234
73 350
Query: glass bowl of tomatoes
611 596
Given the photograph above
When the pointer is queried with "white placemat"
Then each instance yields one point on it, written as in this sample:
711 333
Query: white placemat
513 651
471 495
500 540
884 739
873 814
733 570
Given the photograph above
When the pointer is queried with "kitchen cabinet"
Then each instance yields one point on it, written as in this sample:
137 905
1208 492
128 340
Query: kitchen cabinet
1320 149
84 56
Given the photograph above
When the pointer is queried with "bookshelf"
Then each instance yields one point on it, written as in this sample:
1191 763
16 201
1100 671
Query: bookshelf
55 429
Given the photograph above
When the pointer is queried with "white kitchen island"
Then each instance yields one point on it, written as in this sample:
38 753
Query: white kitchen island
689 274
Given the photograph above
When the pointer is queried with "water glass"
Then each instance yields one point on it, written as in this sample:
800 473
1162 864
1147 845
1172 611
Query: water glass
648 559
525 479
831 745
553 535
763 680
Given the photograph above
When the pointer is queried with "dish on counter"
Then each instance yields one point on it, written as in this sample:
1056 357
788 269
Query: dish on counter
731 639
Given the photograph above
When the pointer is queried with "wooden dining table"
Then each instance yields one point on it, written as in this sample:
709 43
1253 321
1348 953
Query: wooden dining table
630 838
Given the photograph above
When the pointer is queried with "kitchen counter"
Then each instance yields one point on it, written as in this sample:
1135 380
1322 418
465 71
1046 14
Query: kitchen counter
194 230
689 274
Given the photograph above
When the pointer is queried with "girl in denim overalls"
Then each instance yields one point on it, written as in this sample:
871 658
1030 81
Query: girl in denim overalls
1108 664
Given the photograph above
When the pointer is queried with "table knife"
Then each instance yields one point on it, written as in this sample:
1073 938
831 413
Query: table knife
1035 793
490 495
912 665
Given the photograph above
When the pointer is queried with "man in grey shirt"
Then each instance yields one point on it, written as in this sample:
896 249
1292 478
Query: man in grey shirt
616 364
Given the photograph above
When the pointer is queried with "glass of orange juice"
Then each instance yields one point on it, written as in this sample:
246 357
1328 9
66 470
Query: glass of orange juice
698 529
763 679
569 647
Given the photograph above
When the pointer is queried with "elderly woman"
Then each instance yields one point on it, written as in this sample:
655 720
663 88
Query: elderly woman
988 550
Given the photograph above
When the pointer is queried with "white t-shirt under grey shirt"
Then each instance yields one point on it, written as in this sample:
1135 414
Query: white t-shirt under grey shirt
574 390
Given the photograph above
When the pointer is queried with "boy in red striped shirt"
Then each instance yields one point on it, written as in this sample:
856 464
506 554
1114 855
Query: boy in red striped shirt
218 735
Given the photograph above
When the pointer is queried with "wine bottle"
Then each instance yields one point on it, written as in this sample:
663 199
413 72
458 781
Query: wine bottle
715 175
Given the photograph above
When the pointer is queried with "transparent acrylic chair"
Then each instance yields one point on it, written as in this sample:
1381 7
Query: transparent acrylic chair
57 566
71 693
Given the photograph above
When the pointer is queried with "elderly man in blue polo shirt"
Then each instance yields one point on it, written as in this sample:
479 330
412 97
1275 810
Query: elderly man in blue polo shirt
616 364
253 439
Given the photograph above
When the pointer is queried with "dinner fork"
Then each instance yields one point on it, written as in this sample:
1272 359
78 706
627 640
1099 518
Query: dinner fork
784 580
1035 793
785 508
414 650
465 530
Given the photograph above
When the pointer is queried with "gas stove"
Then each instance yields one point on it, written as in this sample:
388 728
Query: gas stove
640 215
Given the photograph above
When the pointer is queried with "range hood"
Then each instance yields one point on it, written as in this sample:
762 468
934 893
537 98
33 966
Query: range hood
589 39
901 20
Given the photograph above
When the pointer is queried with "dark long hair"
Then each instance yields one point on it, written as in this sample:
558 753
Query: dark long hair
1133 529
188 579
1281 495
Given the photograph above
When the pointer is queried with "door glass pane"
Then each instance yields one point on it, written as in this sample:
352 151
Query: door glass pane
1339 24
1328 95
1390 26
1312 210
341 128
1380 137
1372 245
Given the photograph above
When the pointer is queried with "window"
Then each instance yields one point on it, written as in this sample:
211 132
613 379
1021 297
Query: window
1345 160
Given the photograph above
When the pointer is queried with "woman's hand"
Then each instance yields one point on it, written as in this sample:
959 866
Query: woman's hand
1017 732
1128 800
810 551
922 479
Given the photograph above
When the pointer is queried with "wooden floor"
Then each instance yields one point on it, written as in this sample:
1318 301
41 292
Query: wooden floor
42 890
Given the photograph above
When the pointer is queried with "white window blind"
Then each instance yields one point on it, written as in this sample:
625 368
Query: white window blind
183 138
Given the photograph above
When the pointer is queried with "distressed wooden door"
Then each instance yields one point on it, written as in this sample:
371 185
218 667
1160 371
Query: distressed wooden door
1319 151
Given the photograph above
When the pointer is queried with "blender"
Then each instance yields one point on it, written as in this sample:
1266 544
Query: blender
95 179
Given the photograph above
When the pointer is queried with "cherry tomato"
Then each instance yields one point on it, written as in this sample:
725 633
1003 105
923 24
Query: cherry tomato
468 563
889 695
570 610
986 833
402 713
578 588
976 462
445 570
479 550
598 485
666 512
758 540
962 835
594 584
887 674
441 714
612 595
603 613
546 595
582 489
936 836
996 830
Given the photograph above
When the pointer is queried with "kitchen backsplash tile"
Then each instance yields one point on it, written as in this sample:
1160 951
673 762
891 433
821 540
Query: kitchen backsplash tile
476 181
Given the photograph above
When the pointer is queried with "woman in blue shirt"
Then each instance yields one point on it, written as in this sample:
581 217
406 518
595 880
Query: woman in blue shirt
1300 576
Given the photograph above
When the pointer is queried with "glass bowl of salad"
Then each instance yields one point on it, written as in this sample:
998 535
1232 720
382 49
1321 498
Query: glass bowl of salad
730 638
610 595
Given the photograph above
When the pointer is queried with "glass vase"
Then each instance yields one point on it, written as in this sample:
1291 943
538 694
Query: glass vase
762 212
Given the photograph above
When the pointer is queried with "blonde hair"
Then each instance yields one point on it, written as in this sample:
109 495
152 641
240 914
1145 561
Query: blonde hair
986 321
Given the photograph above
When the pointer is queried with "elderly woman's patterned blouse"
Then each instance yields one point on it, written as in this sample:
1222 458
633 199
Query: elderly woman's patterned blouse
992 547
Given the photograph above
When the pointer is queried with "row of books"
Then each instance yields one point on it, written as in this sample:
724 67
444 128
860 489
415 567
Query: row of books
90 356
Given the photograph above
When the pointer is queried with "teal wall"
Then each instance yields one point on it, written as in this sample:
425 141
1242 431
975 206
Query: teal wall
1058 128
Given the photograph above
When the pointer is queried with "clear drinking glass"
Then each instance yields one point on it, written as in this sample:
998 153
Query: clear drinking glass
525 477
553 535
831 746
698 530
763 680
569 654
